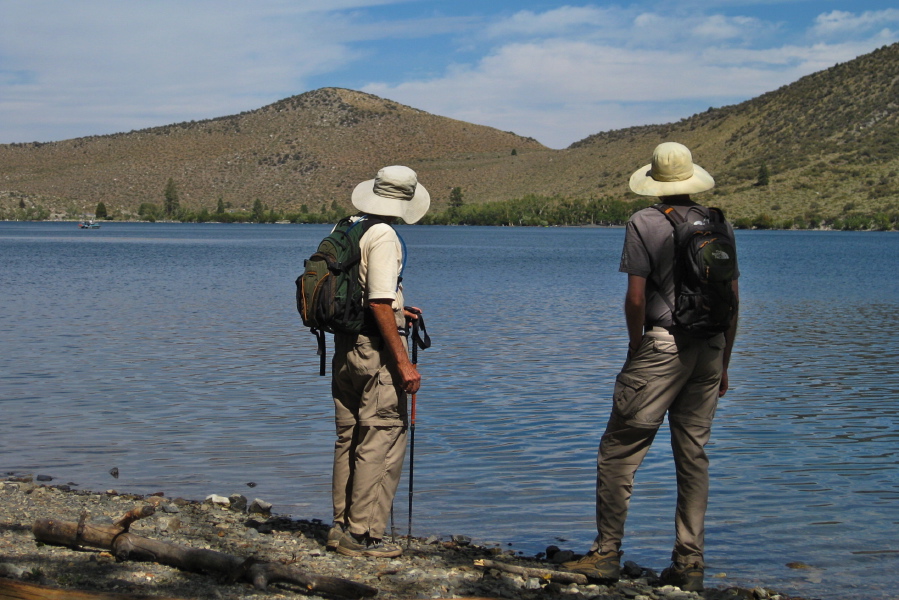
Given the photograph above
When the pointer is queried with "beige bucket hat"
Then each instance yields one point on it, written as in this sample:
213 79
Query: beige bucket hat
395 192
671 173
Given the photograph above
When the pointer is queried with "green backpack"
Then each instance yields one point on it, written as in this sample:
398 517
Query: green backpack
329 297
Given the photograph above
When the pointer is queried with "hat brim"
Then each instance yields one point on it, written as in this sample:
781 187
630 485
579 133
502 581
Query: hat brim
642 183
410 211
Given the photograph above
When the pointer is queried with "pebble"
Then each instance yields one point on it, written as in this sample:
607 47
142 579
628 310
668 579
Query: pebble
427 569
217 500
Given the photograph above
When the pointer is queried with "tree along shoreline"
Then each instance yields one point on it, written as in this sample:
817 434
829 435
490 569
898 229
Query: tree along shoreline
529 211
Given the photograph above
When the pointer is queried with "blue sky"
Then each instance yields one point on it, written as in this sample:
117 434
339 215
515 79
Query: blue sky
554 71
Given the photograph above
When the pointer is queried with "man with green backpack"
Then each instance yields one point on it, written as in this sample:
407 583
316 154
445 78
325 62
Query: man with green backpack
681 315
372 373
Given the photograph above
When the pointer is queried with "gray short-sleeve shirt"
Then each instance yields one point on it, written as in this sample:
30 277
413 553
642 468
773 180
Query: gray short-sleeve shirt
649 252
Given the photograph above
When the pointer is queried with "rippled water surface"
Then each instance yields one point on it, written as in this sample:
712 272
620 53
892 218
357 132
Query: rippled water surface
174 352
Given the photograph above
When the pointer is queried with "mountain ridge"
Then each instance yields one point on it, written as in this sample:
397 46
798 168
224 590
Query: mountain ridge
830 141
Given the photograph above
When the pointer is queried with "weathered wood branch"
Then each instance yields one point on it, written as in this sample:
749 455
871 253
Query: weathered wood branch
135 514
125 546
19 590
559 576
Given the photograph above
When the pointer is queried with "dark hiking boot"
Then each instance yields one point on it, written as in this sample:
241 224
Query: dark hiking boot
604 566
687 577
350 545
334 534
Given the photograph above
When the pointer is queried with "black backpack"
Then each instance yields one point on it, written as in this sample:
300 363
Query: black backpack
705 262
329 297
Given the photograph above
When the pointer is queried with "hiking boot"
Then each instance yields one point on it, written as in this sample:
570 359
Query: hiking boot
687 577
350 545
334 534
605 566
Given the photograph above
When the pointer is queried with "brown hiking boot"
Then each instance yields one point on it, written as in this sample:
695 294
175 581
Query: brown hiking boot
604 566
686 577
334 534
350 545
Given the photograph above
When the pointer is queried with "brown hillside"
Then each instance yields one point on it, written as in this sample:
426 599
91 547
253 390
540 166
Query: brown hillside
309 149
830 142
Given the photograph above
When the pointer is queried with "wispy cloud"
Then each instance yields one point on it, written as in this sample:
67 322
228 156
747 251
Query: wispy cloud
99 66
594 63
842 24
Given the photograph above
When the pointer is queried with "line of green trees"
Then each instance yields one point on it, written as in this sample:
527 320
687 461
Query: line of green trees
531 210
855 222
539 211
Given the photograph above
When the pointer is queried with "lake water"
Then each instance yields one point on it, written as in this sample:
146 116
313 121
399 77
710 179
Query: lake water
174 353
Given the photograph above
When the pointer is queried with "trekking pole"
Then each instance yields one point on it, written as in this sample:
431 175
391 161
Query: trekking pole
417 342
412 438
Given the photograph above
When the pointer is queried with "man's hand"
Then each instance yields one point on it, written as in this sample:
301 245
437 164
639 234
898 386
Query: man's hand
722 388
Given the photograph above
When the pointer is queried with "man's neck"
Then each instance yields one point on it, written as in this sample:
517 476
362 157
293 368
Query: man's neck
678 200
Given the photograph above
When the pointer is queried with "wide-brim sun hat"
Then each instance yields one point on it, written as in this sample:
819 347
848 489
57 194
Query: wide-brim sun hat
671 173
395 192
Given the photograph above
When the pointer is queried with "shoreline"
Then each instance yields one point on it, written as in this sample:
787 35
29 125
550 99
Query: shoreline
430 567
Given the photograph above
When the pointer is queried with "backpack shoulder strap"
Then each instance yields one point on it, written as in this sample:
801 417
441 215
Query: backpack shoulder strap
716 214
672 215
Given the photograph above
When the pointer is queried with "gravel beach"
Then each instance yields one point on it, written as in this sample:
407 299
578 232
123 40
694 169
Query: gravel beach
429 568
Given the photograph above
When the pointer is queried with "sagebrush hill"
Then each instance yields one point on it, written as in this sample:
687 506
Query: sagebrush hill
828 145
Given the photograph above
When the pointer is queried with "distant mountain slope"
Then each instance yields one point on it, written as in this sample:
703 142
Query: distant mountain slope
309 149
830 142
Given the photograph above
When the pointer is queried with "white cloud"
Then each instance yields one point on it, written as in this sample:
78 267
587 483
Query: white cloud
840 23
563 88
115 66
558 21
99 66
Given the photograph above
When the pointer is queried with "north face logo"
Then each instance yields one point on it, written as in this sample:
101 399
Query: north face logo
720 255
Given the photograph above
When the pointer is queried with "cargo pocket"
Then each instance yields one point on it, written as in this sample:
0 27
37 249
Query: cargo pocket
388 408
627 396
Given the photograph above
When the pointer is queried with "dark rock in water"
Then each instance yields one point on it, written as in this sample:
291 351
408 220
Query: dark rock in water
551 551
251 484
114 472
63 488
462 540
44 478
562 556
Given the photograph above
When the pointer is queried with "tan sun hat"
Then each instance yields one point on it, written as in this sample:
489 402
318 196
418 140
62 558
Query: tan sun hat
395 192
671 173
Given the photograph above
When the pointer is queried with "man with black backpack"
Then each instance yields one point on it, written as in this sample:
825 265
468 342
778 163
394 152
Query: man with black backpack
372 373
681 314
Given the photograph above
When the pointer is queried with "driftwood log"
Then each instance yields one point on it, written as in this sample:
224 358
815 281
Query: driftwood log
559 576
19 590
128 546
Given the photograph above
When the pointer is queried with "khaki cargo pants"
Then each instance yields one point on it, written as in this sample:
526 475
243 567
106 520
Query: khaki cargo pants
370 413
679 376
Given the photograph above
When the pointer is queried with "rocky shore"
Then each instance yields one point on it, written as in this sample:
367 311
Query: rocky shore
429 568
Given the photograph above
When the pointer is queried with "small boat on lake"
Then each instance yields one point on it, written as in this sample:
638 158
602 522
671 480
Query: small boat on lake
88 225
